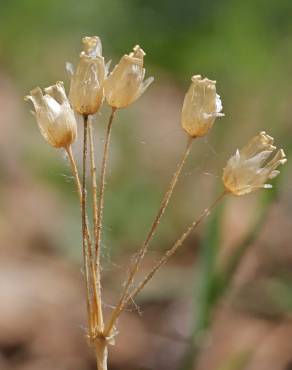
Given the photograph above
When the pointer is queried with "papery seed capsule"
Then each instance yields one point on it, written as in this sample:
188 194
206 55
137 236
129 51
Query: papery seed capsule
54 115
125 83
86 89
201 107
249 168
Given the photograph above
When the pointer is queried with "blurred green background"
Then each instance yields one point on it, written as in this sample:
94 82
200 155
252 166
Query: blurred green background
246 47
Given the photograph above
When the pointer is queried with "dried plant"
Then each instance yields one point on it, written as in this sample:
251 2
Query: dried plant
91 84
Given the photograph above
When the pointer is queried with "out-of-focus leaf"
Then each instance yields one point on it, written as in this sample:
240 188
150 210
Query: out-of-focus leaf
207 289
225 277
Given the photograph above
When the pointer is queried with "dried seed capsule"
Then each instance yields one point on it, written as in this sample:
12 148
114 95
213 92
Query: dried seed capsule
125 83
249 169
86 90
201 107
54 115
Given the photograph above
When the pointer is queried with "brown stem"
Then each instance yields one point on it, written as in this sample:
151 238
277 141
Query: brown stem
75 172
85 246
101 353
79 189
141 254
95 271
87 233
101 191
174 248
164 259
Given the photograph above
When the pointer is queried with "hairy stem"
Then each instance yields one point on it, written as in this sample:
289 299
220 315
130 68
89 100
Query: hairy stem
74 170
100 346
101 191
95 269
164 259
87 233
134 268
79 189
85 245
101 353
175 247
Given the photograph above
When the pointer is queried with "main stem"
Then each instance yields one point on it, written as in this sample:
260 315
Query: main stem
78 186
74 172
101 350
100 345
95 269
101 191
141 254
87 233
85 245
166 257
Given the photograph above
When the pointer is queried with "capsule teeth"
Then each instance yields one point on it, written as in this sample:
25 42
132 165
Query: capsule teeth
92 47
137 52
69 69
270 138
212 82
265 138
196 78
36 91
274 174
138 49
282 153
281 157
